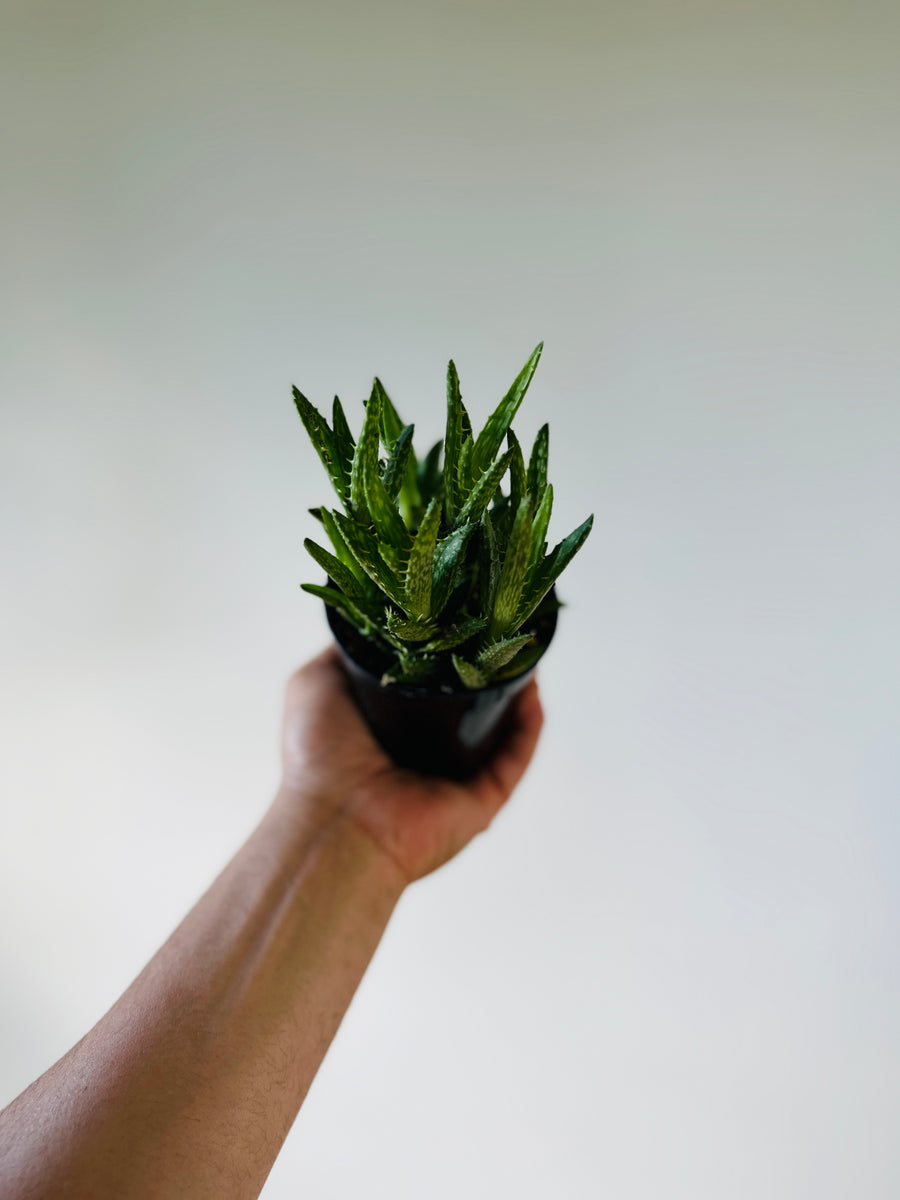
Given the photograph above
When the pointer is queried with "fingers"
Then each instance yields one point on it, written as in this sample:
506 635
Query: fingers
326 661
508 766
324 668
321 697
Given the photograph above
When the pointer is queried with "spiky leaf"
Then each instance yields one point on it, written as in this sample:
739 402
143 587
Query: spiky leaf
498 654
490 576
322 439
523 661
409 631
539 528
468 673
458 431
549 569
391 428
364 546
365 455
537 464
464 476
429 476
338 600
341 549
499 421
411 668
517 481
343 443
457 634
341 574
448 557
421 563
386 518
513 572
483 492
391 425
395 470
502 514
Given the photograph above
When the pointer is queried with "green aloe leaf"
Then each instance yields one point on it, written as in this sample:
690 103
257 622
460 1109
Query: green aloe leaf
448 557
364 546
455 635
539 528
391 429
464 475
523 660
499 654
391 425
421 563
322 439
387 520
395 471
341 549
501 418
409 631
341 574
537 464
502 515
491 544
513 572
458 431
411 668
343 443
470 675
338 600
480 565
518 485
548 571
429 476
483 492
365 455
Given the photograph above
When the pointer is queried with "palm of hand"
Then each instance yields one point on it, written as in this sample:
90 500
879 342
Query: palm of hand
418 821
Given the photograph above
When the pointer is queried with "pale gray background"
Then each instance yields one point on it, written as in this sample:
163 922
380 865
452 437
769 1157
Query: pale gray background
671 970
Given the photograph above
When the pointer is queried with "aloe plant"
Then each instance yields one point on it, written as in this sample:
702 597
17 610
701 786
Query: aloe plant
430 558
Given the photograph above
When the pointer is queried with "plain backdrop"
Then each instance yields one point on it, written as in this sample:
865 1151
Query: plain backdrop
671 968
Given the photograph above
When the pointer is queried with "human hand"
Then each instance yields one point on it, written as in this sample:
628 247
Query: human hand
333 766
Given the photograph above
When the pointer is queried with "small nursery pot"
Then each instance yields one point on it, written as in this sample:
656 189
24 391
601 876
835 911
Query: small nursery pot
444 731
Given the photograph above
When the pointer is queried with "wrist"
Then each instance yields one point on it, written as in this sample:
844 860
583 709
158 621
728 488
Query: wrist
309 823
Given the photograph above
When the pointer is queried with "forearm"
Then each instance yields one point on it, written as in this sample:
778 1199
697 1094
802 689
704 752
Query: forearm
190 1083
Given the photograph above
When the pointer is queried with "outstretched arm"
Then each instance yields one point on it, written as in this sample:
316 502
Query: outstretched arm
190 1083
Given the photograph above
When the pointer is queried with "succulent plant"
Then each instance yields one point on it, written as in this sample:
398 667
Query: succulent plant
431 560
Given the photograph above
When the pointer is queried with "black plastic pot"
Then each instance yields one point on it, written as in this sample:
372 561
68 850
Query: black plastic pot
451 732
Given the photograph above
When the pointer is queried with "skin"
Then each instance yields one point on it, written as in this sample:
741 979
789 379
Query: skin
188 1086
